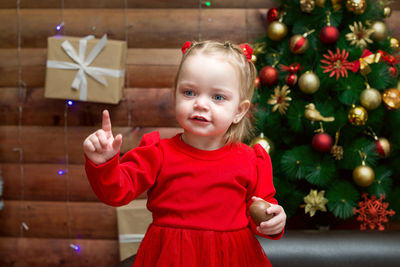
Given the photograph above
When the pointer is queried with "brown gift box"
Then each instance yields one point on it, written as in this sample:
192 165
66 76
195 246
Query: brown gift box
133 221
59 79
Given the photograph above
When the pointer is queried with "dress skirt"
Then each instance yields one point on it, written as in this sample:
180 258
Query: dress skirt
181 247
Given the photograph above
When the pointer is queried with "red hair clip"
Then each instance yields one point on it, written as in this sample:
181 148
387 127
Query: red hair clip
247 51
186 46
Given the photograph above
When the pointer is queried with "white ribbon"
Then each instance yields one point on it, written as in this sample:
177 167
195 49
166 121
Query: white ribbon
82 64
131 238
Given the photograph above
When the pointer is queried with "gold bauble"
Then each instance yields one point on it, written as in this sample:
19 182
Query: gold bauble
363 175
391 98
394 43
387 11
309 82
383 147
380 31
298 44
370 98
356 6
307 6
264 142
253 58
320 3
358 115
336 4
276 30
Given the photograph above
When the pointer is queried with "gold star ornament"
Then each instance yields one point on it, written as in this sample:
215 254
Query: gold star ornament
359 35
280 99
314 201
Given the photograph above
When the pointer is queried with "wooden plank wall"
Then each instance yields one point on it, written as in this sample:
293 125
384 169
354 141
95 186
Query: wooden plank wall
39 137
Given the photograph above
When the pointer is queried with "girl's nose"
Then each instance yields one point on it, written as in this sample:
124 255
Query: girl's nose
201 103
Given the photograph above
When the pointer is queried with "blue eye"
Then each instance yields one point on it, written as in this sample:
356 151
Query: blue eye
219 97
188 93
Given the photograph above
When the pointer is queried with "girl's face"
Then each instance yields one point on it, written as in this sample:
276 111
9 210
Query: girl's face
207 99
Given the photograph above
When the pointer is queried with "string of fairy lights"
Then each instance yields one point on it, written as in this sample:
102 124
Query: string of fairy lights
128 26
199 21
247 20
61 30
202 4
21 89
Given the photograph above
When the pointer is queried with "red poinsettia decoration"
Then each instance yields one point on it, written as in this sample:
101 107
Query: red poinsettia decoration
337 63
373 212
247 51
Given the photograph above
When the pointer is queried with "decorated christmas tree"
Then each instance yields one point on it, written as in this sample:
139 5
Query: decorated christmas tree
327 108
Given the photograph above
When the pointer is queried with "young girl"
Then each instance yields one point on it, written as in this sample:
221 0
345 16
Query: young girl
201 182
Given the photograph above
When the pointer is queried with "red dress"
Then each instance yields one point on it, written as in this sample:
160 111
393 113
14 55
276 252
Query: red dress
199 200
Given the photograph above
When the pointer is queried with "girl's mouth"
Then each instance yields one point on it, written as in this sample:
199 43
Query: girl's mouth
199 118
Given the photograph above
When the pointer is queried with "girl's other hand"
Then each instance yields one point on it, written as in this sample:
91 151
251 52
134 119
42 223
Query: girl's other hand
276 224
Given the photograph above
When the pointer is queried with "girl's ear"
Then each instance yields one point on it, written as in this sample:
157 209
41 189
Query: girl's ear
241 111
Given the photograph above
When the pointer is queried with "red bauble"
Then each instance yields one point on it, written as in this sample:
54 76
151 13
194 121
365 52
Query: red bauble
393 71
269 75
257 82
291 79
322 142
272 14
329 35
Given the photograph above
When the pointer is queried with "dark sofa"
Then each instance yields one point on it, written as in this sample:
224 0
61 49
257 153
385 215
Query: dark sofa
330 248
335 248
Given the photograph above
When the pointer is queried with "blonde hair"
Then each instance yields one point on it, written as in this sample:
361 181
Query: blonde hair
247 74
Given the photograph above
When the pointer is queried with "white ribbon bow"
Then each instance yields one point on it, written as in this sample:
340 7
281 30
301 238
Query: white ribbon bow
82 65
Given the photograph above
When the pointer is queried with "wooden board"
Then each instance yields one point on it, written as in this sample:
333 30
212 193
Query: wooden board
45 144
140 107
50 252
144 76
142 28
137 4
50 219
130 4
42 182
145 67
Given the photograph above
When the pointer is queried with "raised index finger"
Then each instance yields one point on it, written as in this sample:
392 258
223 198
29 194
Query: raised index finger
106 123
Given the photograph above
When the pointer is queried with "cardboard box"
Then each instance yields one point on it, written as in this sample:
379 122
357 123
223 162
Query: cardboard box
133 221
85 69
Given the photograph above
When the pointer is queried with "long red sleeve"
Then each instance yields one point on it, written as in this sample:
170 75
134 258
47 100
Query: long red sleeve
117 183
264 188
